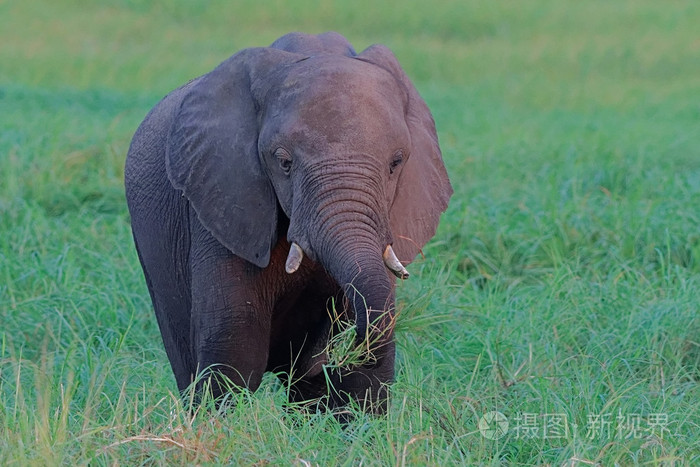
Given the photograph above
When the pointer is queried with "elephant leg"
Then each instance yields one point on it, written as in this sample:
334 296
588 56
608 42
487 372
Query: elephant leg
300 327
230 323
162 261
298 355
368 386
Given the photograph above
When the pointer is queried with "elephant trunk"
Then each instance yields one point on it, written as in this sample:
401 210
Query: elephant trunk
349 238
359 270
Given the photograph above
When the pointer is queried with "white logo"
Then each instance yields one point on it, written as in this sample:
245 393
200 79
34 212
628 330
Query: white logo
493 425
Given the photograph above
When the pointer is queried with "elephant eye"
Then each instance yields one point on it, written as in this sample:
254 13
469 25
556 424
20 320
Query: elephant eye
396 161
284 159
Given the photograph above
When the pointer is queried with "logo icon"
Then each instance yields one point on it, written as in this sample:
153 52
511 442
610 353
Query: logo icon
493 425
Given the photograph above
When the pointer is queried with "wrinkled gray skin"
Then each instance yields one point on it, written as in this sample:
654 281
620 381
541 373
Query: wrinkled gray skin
306 142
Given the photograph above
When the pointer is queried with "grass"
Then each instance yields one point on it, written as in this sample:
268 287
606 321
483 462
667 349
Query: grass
562 284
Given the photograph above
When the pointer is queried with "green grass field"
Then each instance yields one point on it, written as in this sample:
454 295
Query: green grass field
561 289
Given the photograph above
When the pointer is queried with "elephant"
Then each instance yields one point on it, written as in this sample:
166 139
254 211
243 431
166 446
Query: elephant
289 180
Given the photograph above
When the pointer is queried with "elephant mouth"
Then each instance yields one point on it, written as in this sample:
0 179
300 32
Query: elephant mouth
296 255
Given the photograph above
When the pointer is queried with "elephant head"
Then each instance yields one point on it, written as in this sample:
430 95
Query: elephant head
339 143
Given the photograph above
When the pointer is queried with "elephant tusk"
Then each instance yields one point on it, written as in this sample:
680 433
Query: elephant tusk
393 263
296 254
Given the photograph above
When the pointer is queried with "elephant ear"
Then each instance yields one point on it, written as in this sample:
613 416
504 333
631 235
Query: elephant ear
423 187
212 155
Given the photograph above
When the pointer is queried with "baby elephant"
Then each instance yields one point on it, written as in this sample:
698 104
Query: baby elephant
274 199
